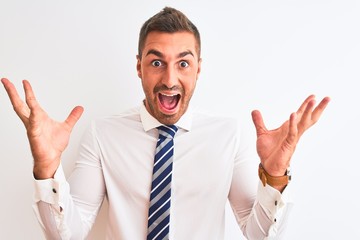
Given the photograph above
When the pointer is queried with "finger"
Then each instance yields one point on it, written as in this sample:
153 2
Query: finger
293 130
29 95
258 122
310 116
74 116
19 106
12 93
303 106
319 109
306 115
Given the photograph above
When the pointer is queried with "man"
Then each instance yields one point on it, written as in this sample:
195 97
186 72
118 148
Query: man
200 160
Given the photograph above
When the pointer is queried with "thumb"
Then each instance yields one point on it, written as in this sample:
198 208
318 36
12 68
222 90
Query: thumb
74 116
258 122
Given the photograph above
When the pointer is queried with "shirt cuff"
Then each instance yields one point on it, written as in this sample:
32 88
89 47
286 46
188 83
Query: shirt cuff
50 190
272 200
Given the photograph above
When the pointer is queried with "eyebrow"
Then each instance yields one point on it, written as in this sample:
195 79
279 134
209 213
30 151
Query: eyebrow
160 55
183 54
155 52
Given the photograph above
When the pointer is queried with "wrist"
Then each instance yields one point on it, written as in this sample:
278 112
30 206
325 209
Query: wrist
278 182
44 172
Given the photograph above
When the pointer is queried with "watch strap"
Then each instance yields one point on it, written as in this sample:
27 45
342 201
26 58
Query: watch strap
271 180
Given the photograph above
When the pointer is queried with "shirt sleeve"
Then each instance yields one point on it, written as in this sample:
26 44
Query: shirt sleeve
67 209
261 212
48 205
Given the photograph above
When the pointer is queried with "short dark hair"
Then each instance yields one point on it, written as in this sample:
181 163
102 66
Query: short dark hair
168 20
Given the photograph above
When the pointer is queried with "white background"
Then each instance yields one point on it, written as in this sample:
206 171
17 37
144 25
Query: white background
268 55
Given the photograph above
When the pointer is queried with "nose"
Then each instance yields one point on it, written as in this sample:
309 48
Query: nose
170 77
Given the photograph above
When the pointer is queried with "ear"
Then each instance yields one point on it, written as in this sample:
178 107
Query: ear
199 68
138 66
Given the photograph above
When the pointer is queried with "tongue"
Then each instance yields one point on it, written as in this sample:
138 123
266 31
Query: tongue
168 102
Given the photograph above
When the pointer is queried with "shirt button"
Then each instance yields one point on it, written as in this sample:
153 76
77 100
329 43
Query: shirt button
276 203
54 190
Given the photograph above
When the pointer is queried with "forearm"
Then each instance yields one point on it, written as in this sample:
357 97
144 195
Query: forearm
60 215
268 216
261 211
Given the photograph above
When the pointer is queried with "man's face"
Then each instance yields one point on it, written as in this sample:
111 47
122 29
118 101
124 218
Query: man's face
169 68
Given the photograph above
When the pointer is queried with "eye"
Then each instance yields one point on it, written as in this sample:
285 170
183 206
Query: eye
184 64
156 63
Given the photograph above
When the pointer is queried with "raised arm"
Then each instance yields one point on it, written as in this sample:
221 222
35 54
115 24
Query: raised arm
47 137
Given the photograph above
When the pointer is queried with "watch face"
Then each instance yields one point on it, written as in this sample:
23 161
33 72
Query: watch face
288 173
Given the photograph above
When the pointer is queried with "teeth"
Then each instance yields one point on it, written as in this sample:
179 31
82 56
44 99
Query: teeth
168 95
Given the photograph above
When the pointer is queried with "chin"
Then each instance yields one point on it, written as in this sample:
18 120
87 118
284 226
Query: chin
169 119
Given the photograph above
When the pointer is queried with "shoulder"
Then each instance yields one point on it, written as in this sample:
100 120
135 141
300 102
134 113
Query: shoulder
220 124
216 126
124 121
129 115
208 119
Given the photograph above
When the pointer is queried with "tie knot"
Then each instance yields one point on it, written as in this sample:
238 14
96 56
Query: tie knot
167 131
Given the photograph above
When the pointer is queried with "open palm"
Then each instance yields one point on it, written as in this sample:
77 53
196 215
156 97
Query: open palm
47 138
276 147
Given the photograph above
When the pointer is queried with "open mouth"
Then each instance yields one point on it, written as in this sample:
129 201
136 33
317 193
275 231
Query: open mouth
169 102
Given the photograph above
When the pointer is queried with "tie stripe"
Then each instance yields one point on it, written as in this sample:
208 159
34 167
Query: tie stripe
160 195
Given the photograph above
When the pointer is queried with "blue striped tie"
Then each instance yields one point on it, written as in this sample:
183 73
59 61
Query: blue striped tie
159 211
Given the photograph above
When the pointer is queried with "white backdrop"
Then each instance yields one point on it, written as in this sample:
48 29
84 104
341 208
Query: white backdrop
268 55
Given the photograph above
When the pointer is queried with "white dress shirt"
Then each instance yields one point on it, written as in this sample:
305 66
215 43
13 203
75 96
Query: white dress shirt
212 164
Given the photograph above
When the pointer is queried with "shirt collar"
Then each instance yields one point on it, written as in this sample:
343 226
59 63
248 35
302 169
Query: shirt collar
149 122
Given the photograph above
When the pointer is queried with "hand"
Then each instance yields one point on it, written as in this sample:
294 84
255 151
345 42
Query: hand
47 138
276 147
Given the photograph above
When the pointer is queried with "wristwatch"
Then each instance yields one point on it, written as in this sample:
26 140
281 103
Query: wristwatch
274 181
